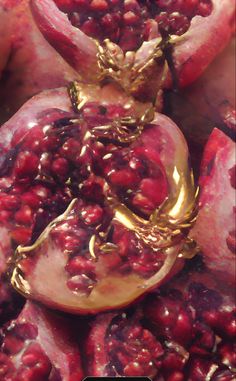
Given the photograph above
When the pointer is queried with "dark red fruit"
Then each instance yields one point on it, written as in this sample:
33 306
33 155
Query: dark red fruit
39 346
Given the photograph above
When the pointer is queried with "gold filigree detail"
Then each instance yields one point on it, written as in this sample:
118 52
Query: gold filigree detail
126 70
124 130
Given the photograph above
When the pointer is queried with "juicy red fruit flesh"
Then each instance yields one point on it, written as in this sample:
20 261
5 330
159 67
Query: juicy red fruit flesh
130 22
180 334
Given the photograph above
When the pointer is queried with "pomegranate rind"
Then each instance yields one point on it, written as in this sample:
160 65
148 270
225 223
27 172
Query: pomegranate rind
216 217
74 45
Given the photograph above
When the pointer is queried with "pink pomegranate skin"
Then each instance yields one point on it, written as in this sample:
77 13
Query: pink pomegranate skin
205 38
39 345
215 227
25 59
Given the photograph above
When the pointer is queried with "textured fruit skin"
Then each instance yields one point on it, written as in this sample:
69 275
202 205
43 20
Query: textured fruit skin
203 41
25 59
217 206
44 344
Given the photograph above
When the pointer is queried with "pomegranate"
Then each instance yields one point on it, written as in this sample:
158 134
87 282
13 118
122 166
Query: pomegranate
119 231
25 59
217 206
39 346
182 332
136 26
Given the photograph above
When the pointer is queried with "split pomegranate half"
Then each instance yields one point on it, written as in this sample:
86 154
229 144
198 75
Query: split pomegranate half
128 186
39 346
183 332
217 206
71 26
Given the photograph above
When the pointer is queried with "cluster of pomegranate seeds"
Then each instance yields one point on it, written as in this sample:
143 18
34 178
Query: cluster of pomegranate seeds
181 334
201 325
130 22
133 350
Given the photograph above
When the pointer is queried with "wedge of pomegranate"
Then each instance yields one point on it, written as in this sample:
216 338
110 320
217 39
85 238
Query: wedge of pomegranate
134 198
217 206
71 27
39 346
183 332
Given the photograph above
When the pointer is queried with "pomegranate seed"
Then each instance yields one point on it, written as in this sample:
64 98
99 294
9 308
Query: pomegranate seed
130 18
12 344
10 202
30 199
21 235
70 149
42 192
154 190
24 215
92 28
60 167
228 355
99 5
92 214
79 265
124 178
131 5
26 164
5 216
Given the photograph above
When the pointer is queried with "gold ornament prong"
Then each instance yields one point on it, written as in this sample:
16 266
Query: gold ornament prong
78 99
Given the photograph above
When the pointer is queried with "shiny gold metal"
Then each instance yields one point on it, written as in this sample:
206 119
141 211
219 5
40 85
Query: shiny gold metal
131 73
124 130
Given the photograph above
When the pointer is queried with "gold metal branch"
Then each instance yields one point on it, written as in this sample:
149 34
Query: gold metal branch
124 130
128 71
